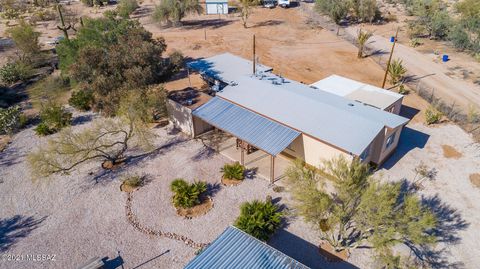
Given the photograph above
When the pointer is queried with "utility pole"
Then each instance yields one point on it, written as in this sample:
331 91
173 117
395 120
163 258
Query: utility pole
390 58
254 68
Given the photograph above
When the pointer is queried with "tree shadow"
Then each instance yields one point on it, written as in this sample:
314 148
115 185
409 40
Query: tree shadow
15 228
449 223
267 23
203 154
409 139
108 174
304 251
142 11
213 188
82 119
10 156
200 24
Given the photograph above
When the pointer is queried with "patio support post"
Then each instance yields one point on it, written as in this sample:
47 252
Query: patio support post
242 156
272 169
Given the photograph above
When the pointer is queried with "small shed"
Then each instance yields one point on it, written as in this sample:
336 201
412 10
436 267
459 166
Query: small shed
216 7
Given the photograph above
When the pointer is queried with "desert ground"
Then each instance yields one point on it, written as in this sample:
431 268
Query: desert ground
83 215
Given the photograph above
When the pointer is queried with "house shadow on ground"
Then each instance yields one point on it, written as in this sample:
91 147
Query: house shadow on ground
409 139
304 251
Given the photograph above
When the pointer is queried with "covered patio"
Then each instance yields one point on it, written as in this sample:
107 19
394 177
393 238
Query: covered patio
257 140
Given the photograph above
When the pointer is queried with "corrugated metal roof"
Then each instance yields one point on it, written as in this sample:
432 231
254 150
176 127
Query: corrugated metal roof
234 249
226 67
331 118
257 130
355 90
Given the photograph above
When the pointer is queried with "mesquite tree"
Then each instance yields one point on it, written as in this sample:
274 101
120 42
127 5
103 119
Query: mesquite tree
108 140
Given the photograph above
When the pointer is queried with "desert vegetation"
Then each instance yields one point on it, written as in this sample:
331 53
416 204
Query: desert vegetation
347 10
351 209
259 219
187 195
232 174
172 11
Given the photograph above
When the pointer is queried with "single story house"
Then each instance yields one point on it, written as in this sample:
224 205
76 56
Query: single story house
282 116
238 250
216 7
361 92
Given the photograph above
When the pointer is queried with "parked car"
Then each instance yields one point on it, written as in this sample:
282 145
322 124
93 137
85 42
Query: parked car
269 3
284 3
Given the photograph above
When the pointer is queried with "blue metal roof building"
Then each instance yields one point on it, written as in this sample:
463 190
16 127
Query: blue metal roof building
235 249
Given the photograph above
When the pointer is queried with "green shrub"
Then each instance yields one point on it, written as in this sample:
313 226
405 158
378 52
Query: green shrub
10 14
81 99
42 129
233 171
10 119
133 181
432 115
335 9
403 90
187 195
176 61
15 71
126 7
53 119
259 219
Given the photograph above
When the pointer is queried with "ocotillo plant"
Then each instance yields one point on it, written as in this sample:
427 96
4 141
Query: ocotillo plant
63 28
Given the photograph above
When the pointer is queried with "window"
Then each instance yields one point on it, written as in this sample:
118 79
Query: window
365 153
390 140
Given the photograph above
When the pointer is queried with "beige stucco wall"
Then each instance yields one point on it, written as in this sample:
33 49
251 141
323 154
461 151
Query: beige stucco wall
180 116
379 146
396 107
313 151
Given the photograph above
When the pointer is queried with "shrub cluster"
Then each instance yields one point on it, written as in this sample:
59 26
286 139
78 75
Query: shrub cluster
10 119
53 119
126 7
432 115
233 171
187 195
81 99
15 71
259 219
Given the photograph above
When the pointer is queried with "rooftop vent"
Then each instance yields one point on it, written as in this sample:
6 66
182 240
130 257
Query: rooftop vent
350 104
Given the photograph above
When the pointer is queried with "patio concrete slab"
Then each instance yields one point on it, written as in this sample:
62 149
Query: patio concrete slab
259 160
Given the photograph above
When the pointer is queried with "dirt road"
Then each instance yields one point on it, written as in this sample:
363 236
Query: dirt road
428 74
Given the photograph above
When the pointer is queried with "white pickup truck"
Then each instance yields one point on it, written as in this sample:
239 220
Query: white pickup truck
284 3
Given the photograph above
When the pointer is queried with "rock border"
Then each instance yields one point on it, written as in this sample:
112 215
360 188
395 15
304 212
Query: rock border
133 220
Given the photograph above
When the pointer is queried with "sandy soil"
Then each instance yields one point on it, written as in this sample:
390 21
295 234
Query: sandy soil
450 194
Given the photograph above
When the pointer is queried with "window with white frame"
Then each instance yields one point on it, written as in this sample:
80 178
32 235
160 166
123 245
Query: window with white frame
390 140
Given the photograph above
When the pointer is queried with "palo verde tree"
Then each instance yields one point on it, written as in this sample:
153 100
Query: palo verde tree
108 141
246 7
26 40
362 38
112 56
173 11
350 209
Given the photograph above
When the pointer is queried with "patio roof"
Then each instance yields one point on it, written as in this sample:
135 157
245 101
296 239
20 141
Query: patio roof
261 132
236 249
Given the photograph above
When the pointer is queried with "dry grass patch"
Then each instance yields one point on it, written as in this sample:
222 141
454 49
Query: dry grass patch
4 141
475 179
450 152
